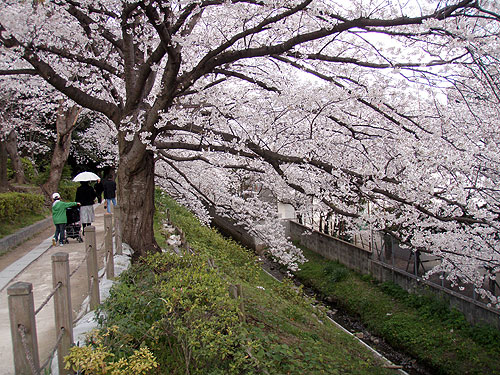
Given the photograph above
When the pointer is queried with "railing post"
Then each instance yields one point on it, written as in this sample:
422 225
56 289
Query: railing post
108 244
182 239
92 270
242 304
236 292
22 313
62 307
118 229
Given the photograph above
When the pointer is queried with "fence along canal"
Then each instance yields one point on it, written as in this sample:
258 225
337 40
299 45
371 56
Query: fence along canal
21 302
391 265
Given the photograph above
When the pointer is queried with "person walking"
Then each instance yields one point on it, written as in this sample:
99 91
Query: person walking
86 195
109 187
59 218
98 190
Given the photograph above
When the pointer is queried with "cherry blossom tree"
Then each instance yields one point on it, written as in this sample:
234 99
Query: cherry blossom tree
32 116
97 144
343 102
46 127
18 119
8 145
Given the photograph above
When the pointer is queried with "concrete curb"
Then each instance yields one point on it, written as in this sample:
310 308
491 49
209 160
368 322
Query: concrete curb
9 273
12 240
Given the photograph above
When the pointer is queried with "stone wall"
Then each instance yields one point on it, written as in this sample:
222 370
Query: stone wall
360 260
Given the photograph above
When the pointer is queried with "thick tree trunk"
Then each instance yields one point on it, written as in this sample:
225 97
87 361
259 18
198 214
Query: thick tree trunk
4 184
65 124
136 199
17 165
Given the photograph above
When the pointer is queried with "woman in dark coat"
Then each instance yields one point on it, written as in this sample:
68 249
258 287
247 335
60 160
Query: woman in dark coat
86 195
98 190
109 192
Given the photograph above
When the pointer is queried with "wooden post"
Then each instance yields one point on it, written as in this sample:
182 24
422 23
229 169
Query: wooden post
182 239
118 229
236 292
242 304
62 307
108 244
92 270
233 291
22 313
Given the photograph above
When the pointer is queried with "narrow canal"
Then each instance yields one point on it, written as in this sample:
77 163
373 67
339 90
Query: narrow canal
353 325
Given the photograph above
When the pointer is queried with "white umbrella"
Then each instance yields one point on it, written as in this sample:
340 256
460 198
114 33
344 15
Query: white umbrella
86 176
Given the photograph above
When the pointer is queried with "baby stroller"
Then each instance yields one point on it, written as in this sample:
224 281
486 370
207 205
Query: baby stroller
73 226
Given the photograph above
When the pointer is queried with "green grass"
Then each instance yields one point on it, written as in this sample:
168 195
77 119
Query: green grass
22 221
422 326
180 309
27 216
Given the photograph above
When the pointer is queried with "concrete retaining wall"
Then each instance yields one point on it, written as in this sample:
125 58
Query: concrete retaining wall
12 240
346 253
360 260
230 229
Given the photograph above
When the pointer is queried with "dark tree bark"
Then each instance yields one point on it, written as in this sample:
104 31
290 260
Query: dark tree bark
136 198
65 124
4 184
17 165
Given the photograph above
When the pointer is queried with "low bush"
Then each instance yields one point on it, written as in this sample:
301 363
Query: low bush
14 205
180 309
28 168
95 358
67 190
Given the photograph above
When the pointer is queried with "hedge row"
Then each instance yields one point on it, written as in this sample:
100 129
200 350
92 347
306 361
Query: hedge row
12 205
67 190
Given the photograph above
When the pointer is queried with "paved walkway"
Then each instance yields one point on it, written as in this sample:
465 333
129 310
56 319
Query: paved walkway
35 266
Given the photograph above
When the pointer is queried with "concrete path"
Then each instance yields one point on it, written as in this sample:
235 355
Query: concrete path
31 262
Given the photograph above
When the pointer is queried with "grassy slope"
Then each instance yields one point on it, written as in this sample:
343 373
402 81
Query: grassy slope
21 222
288 335
422 327
67 190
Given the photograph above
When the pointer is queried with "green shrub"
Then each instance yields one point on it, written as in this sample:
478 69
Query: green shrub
28 168
179 308
335 272
13 205
44 172
67 189
95 359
